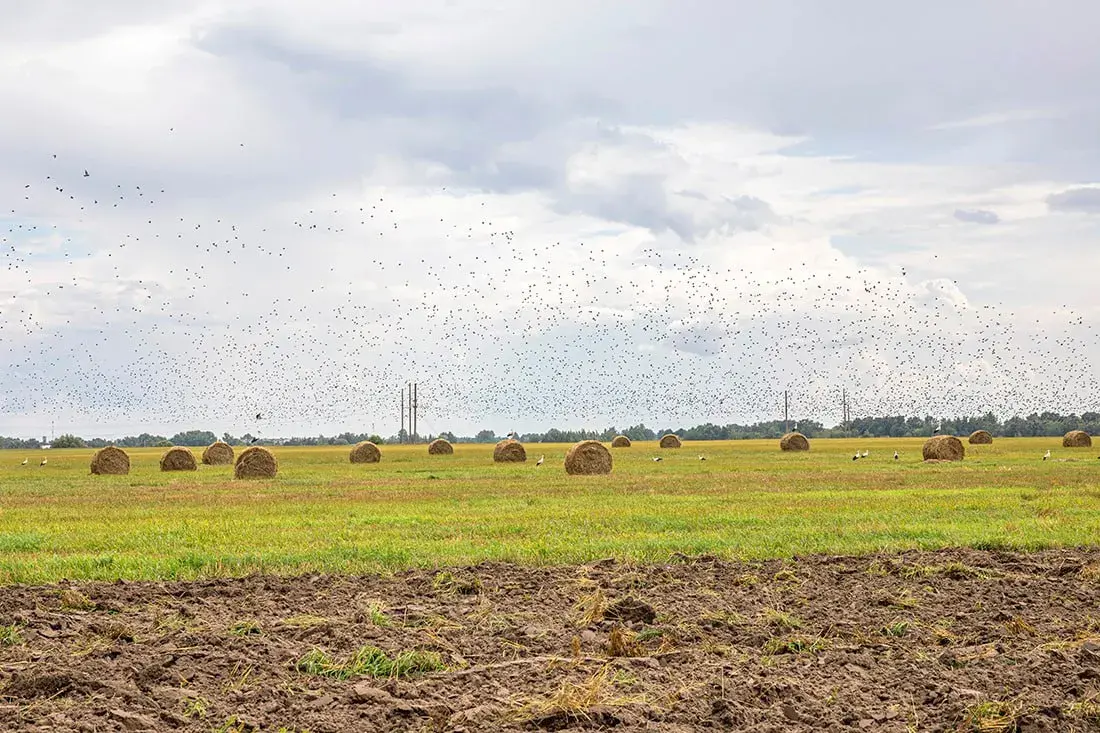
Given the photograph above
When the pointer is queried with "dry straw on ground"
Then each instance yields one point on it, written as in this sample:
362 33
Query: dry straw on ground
670 441
440 447
509 451
365 452
218 454
944 448
110 461
255 462
981 437
1077 439
794 441
178 459
620 441
587 458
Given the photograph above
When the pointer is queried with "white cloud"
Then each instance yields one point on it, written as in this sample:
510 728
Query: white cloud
545 214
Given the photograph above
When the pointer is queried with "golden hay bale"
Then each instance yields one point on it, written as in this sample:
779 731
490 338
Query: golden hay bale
588 457
255 462
365 452
110 461
509 451
981 437
794 441
1077 439
218 454
670 441
620 441
943 448
440 447
178 459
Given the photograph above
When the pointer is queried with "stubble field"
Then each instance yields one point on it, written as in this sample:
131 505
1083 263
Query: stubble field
754 590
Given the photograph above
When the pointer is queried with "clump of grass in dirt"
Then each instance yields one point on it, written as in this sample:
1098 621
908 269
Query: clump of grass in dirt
954 570
245 627
11 635
1087 710
785 576
991 716
577 702
747 580
195 707
1019 626
461 584
781 620
305 621
74 600
112 630
1090 573
794 645
722 619
591 608
369 661
896 629
376 614
624 643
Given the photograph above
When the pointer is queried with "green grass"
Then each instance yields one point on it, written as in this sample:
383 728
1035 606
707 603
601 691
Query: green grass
369 661
324 514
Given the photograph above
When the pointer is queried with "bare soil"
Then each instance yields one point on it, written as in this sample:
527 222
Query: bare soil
930 641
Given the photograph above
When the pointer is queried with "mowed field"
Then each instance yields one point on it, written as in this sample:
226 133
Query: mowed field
747 500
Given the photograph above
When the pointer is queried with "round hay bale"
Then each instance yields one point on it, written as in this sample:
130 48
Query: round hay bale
620 441
670 441
365 452
509 451
943 448
1077 439
794 441
587 458
981 437
255 462
178 459
440 447
110 461
218 454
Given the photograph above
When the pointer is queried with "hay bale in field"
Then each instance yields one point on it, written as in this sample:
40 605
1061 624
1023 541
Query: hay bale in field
981 437
178 459
620 441
218 454
440 447
110 461
1077 439
944 448
255 462
509 451
365 452
670 441
587 458
794 441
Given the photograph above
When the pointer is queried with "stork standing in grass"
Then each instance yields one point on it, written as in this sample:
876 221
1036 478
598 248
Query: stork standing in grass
44 460
1046 455
25 461
540 460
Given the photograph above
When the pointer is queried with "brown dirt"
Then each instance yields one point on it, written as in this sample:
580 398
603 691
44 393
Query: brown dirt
929 641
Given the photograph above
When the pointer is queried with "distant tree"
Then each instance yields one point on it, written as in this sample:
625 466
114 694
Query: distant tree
376 439
68 441
163 444
486 436
194 438
448 436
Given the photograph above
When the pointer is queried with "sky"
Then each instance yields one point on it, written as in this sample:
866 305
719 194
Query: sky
547 214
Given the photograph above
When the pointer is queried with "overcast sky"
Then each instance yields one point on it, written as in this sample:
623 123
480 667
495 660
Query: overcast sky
550 214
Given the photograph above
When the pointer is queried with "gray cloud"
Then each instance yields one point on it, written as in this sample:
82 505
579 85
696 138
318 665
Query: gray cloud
977 216
1084 199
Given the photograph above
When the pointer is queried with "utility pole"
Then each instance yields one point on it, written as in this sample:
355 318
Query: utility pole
401 435
415 404
844 410
786 414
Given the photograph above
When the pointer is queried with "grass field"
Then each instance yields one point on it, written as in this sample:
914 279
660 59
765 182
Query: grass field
747 500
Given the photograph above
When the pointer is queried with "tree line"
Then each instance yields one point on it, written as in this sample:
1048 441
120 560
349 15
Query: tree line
896 426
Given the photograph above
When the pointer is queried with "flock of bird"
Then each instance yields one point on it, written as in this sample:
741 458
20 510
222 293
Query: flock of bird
124 300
